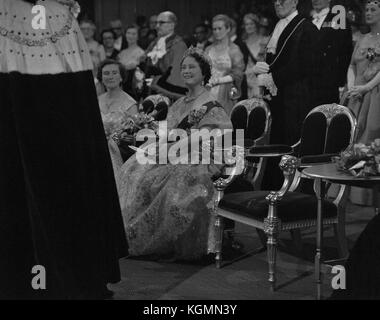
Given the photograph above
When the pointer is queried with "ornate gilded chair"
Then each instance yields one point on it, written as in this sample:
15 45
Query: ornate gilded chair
327 130
252 116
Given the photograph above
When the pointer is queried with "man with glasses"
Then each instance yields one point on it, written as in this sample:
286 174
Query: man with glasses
333 52
120 42
290 66
164 58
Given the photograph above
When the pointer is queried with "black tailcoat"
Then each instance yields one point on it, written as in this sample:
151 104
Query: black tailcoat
333 54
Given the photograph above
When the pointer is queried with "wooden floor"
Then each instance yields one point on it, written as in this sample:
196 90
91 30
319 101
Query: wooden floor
244 279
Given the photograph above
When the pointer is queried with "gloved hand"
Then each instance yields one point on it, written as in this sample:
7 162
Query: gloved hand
261 67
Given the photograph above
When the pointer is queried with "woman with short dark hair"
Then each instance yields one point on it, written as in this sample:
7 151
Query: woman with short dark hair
115 104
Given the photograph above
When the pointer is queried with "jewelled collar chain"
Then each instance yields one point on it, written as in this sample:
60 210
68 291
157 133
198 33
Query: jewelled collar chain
11 34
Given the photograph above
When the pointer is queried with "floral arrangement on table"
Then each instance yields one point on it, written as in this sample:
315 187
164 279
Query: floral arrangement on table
361 160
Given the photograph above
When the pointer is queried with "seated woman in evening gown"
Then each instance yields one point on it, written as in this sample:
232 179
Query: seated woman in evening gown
362 267
165 206
115 105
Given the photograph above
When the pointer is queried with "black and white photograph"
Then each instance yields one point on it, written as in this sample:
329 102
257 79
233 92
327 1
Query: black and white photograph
190 155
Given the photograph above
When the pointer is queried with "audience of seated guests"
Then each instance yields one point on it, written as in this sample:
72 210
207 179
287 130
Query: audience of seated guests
228 64
252 45
115 104
108 41
120 41
97 52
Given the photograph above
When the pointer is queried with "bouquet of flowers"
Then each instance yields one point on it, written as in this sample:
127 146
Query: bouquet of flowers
361 160
131 126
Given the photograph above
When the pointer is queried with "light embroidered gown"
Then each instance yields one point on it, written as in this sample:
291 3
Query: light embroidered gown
165 207
227 62
114 113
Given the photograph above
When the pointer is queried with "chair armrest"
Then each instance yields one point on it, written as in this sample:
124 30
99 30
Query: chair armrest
270 150
234 168
288 165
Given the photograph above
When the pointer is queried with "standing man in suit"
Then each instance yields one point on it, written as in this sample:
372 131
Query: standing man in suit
164 58
333 54
289 66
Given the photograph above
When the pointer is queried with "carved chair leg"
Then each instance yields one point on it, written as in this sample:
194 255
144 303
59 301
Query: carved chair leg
219 230
272 227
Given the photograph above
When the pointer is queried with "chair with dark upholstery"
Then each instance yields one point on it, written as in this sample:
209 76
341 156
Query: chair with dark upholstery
327 130
252 116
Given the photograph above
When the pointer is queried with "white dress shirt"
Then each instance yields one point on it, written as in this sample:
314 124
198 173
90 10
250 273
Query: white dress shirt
280 27
159 50
319 18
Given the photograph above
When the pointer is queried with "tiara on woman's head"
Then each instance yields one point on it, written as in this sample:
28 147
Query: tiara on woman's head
375 2
198 52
